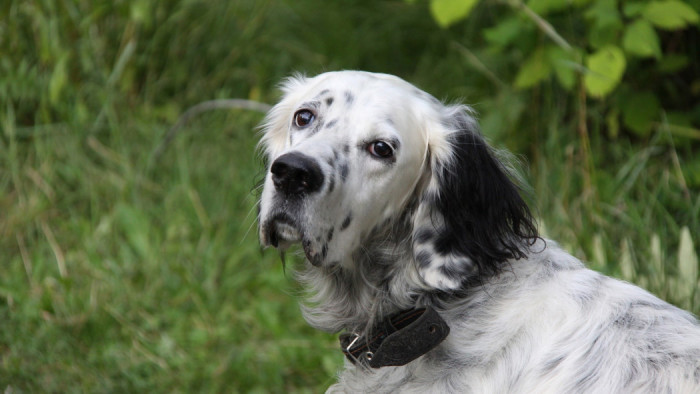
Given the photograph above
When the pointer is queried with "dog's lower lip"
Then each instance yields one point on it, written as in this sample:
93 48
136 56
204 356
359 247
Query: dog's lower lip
281 233
287 232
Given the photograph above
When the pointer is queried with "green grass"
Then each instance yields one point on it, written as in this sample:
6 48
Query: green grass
118 280
117 277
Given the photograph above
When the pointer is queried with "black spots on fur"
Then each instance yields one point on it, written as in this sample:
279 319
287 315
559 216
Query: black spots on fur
456 270
424 258
349 98
329 101
317 127
329 237
346 222
344 170
324 251
331 184
331 123
423 235
346 148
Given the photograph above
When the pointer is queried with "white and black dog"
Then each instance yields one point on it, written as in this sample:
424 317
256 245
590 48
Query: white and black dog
421 250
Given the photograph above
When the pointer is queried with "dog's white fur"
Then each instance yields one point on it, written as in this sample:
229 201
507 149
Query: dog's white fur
389 234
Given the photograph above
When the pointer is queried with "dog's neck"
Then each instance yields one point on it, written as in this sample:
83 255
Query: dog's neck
383 280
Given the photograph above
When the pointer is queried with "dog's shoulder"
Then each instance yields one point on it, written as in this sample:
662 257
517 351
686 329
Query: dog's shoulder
551 323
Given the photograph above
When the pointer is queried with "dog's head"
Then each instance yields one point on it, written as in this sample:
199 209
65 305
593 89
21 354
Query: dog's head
351 152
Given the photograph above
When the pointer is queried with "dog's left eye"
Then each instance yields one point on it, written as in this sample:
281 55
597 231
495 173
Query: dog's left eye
380 149
303 118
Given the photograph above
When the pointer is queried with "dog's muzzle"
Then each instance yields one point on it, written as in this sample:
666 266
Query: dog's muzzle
295 176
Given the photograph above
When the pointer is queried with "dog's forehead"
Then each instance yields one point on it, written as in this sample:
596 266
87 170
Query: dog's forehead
352 87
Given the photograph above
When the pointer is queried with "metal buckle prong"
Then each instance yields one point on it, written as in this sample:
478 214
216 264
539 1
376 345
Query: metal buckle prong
352 343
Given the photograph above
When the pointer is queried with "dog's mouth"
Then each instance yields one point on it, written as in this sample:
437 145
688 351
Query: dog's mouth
282 232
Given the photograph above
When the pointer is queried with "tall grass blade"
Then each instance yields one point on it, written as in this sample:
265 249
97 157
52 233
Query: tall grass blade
626 263
687 266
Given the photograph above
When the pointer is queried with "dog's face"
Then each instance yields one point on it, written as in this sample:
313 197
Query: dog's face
344 157
350 153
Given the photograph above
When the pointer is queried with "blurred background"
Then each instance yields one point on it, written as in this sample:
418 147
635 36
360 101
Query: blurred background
123 272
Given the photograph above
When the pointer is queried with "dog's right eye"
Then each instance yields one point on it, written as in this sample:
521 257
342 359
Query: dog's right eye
380 149
303 118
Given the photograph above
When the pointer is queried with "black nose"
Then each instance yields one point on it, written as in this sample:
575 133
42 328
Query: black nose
296 174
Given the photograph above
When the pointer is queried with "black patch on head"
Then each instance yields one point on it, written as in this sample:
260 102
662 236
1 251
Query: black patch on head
485 218
331 123
346 222
329 101
424 258
330 234
349 97
344 169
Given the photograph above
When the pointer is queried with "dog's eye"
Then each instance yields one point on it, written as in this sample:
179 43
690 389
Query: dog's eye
303 118
380 149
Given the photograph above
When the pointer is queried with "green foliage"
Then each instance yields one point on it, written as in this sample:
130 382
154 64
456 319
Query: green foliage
597 46
670 14
640 39
604 71
447 12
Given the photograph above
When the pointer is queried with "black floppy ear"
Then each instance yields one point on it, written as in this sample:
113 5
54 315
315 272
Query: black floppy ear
471 217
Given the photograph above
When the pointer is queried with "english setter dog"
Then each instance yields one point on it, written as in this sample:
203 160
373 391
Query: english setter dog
421 251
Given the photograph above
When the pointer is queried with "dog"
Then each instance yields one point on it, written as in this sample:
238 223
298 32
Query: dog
422 252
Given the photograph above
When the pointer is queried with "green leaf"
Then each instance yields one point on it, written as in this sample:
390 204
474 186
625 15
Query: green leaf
639 111
605 70
670 14
603 13
447 12
640 39
605 23
505 32
535 69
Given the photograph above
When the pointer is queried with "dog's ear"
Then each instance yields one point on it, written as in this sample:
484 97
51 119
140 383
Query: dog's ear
471 217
